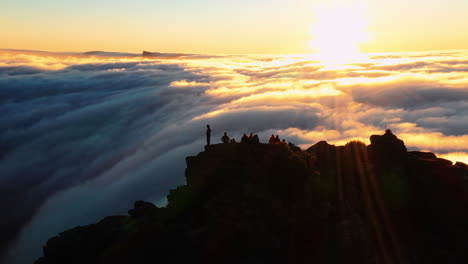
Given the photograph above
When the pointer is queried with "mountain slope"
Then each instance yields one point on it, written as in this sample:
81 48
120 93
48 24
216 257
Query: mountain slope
261 203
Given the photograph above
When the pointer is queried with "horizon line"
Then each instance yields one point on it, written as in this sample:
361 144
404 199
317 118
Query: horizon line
215 53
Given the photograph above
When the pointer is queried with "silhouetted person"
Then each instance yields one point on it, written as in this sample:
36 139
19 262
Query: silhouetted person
233 140
284 142
251 137
272 139
277 139
255 139
208 135
245 139
225 138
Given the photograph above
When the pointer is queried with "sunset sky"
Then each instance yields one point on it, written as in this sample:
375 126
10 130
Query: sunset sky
117 125
239 27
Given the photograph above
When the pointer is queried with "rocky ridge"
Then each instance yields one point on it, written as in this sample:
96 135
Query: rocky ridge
261 203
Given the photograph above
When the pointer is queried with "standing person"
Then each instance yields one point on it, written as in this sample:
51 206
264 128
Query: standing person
277 139
208 135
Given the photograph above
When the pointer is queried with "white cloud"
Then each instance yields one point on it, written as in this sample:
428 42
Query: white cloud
116 127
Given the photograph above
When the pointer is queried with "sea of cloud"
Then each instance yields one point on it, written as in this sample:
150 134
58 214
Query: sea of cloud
83 136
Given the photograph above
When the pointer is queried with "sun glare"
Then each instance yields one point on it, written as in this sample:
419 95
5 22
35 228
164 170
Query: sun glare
338 30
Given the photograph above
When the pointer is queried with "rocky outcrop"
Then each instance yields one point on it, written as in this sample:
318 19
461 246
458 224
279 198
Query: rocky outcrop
260 203
321 148
84 243
387 150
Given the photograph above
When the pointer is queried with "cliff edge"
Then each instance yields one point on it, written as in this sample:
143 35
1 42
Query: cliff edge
274 203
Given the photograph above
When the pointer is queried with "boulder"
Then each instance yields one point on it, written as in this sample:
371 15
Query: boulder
387 150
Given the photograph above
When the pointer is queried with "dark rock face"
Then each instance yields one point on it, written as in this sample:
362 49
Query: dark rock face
461 165
438 201
84 242
387 150
421 155
322 148
258 203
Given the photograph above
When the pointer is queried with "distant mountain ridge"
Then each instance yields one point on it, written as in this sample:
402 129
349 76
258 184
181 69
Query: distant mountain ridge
164 55
274 203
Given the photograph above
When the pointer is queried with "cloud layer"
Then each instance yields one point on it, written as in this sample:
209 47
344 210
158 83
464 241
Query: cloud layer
84 135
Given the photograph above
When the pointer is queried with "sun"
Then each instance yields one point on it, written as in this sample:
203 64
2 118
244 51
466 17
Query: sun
338 30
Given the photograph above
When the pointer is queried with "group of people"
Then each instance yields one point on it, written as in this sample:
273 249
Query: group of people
276 140
225 139
245 139
252 138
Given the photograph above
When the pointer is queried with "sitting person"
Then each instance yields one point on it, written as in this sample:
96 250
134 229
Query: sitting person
251 137
255 139
245 139
233 140
272 139
284 142
225 138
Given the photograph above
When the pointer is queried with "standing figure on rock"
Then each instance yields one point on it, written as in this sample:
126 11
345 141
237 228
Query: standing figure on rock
277 139
225 138
208 135
251 137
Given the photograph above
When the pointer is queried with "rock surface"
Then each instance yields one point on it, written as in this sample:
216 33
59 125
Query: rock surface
259 203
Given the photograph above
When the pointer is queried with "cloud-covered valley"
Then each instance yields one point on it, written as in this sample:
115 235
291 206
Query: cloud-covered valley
84 135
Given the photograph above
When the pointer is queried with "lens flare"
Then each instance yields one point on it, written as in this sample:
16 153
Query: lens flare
338 30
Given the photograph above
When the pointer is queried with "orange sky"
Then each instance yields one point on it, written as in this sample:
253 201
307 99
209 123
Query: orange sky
253 27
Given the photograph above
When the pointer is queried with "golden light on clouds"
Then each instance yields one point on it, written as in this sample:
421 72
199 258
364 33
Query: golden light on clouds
306 74
420 96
